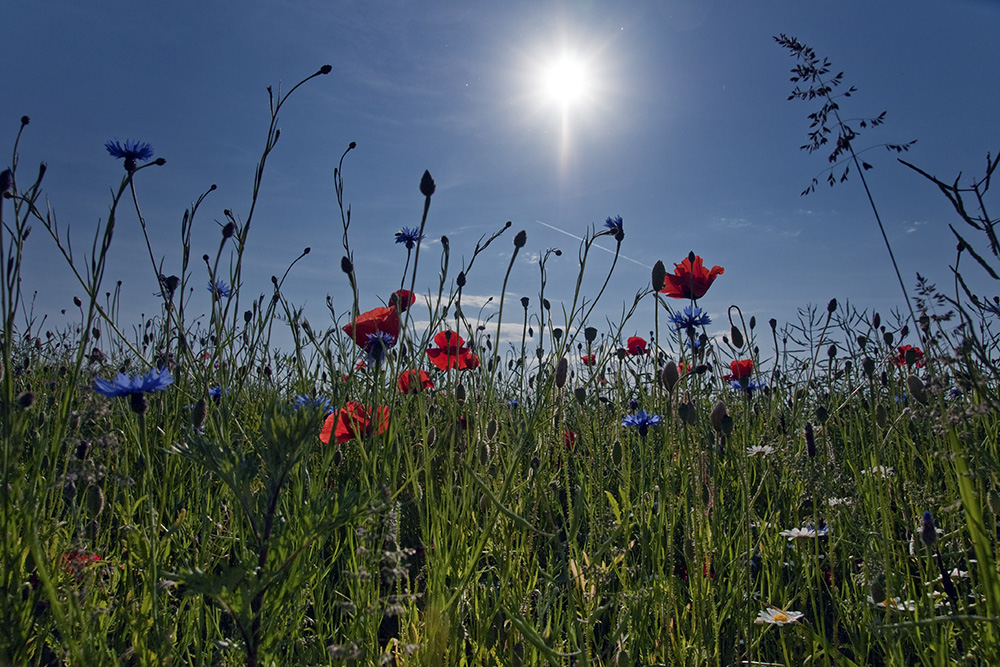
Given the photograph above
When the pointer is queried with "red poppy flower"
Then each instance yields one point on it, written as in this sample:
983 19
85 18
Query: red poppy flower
569 439
371 324
414 381
742 368
354 420
917 356
589 360
690 279
75 562
449 352
402 299
636 345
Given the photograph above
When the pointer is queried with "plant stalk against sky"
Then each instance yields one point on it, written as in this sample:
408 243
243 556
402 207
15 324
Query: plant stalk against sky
814 71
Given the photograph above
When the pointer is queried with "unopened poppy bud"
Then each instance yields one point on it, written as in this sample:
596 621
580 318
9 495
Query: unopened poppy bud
427 186
25 120
928 531
138 403
590 334
876 588
904 331
659 275
831 351
247 316
25 399
199 414
326 69
669 376
460 394
445 243
41 172
753 322
159 162
868 366
562 370
916 387
77 302
460 281
346 265
774 324
887 337
546 305
229 230
822 414
810 441
737 337
525 301
351 146
876 321
6 180
580 394
520 239
718 415
910 356
832 306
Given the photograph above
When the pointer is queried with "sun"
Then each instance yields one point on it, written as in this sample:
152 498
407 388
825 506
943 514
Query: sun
565 81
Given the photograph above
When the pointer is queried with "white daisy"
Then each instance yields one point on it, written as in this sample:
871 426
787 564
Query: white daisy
760 450
806 532
775 616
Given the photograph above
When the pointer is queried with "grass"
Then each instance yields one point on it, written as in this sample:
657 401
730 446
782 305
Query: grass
506 515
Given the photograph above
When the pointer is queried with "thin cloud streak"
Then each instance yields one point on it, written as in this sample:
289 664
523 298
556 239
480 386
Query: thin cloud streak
600 247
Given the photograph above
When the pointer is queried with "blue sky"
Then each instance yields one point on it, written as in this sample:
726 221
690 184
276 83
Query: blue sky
686 133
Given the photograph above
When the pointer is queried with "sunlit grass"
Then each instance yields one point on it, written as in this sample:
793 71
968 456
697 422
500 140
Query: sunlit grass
573 496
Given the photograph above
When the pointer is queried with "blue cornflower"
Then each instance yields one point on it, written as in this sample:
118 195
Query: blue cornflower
303 401
614 226
642 421
377 345
219 289
135 387
513 404
409 236
691 316
751 387
130 150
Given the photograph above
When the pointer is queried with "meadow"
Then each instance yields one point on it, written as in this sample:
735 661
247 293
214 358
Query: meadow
183 492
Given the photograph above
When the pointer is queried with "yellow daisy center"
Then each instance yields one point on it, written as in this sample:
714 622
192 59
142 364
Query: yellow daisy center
780 618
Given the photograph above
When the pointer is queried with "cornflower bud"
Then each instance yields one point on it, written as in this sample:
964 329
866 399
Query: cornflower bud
928 531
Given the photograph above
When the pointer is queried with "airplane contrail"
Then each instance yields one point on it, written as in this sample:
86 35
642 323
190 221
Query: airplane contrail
580 238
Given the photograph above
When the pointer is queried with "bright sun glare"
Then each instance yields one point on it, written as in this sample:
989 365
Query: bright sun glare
565 81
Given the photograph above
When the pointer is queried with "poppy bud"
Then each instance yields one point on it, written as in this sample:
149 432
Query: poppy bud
887 337
810 441
346 265
910 356
916 387
520 239
229 230
904 332
562 369
868 366
431 436
590 334
199 414
557 334
6 180
580 394
832 306
138 403
669 376
247 316
822 414
831 351
692 256
460 281
687 412
774 324
460 394
25 399
876 588
427 186
546 305
325 69
719 415
753 322
445 243
876 321
659 275
25 120
737 337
